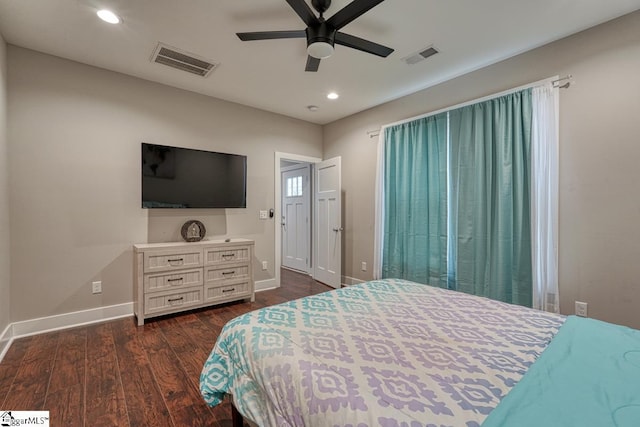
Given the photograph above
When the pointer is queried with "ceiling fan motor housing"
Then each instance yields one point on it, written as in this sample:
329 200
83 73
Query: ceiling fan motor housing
321 34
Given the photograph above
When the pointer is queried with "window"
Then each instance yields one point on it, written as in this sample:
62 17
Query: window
294 186
457 204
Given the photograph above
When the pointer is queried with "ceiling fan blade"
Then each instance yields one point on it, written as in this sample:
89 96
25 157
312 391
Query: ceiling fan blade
304 11
362 44
312 64
270 35
351 12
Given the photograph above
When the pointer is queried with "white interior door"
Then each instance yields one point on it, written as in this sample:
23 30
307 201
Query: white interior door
328 222
295 223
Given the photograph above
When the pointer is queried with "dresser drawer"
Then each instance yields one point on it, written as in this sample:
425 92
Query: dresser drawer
163 261
172 280
172 300
214 293
217 275
226 255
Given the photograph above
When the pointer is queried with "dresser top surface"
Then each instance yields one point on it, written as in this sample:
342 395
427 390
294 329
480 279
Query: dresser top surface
204 242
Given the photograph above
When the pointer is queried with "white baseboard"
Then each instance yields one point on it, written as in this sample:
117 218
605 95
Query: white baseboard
42 325
70 320
5 340
265 285
348 281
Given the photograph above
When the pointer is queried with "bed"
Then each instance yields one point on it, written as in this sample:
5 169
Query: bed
394 353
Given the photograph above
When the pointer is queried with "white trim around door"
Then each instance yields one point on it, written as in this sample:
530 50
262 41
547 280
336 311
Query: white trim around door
279 156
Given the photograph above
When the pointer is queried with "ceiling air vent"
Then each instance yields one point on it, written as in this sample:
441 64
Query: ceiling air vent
414 58
182 60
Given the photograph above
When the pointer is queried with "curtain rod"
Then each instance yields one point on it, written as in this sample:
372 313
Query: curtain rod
568 78
553 80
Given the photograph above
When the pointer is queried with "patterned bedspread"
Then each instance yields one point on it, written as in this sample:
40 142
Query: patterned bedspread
388 353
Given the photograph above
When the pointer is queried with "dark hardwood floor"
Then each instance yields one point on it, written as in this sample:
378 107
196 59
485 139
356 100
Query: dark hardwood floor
118 374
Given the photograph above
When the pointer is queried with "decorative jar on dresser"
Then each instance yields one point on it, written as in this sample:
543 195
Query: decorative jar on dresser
173 277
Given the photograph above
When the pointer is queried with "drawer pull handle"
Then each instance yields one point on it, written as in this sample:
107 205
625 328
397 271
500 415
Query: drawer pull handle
228 255
176 280
228 290
175 299
228 273
176 260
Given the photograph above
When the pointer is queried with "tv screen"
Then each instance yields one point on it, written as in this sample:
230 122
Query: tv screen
174 177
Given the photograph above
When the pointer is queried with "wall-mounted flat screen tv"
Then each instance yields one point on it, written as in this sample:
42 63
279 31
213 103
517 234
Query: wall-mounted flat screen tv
174 177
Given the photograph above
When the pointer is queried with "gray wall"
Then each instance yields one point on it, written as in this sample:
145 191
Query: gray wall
4 196
599 156
74 137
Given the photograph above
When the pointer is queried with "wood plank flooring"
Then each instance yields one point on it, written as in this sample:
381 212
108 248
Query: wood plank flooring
118 374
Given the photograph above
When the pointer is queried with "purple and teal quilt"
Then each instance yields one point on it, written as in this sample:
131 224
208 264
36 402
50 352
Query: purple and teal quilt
386 353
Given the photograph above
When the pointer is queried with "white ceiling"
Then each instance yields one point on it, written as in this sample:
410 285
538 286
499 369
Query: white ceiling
270 75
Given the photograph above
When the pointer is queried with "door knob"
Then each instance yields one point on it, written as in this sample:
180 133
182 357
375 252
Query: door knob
338 229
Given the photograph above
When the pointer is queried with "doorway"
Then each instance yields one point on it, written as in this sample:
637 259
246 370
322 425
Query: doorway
324 245
295 219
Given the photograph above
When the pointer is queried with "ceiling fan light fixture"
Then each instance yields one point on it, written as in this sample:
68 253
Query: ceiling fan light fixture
320 50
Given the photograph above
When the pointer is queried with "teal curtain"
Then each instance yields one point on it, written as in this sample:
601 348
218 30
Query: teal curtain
415 208
489 171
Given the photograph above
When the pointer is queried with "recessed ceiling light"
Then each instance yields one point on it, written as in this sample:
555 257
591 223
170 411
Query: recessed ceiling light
108 16
312 108
333 95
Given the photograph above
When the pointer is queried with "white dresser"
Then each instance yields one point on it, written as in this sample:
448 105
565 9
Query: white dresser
173 277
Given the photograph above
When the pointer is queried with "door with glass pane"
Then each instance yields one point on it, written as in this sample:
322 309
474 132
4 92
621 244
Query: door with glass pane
295 221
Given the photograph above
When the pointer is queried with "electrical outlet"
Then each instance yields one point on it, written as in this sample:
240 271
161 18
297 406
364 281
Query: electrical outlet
581 309
264 214
265 265
364 266
96 287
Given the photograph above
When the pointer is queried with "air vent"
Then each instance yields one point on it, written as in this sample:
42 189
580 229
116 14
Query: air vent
425 53
181 60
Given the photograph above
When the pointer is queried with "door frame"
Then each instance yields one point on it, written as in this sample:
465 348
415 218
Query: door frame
278 204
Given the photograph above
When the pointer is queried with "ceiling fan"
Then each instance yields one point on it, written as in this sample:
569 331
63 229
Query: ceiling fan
323 34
